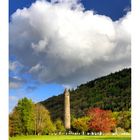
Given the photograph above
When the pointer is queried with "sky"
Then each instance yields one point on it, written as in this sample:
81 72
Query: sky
61 44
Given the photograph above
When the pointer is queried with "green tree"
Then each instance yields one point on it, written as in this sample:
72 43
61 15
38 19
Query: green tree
14 123
81 124
123 119
59 125
43 123
25 111
50 127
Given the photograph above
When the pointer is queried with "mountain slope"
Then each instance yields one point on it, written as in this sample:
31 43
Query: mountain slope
111 92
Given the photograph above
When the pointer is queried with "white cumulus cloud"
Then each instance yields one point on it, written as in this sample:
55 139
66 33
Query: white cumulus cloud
60 42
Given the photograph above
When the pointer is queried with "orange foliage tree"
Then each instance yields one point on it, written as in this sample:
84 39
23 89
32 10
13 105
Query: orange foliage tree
101 120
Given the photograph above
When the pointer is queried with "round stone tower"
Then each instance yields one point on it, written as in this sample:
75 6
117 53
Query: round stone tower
67 109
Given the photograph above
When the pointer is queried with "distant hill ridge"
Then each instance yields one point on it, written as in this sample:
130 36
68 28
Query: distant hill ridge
111 92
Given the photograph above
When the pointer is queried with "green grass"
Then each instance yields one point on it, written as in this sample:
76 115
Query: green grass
71 138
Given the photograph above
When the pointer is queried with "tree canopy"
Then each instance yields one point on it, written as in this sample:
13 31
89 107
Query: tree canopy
28 118
101 120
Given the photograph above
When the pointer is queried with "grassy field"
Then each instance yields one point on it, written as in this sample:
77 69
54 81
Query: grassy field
71 138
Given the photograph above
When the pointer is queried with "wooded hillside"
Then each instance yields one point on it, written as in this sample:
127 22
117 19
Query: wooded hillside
111 92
